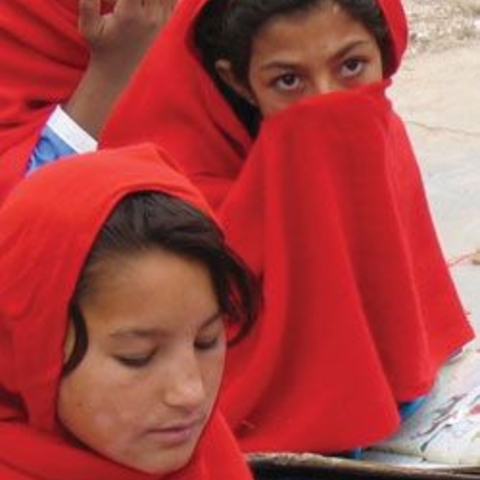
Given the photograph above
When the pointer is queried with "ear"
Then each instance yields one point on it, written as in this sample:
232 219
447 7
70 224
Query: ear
225 72
69 343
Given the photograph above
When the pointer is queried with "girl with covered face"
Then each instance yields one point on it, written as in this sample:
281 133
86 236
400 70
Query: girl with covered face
114 332
324 201
273 54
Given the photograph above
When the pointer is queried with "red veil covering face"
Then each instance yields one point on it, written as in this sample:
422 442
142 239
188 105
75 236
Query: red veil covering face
360 311
48 226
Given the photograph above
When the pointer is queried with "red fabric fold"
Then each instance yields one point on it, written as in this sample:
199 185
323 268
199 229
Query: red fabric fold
43 58
189 116
52 223
360 310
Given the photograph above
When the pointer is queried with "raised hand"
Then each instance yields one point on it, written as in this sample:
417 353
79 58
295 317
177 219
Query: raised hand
119 39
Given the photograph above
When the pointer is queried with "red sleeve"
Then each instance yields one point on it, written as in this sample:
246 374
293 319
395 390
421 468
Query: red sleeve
43 57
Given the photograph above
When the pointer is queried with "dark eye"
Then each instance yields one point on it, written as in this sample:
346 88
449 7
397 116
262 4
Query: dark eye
288 82
352 67
135 361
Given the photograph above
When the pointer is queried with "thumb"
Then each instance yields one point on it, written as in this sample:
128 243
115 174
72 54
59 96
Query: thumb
89 18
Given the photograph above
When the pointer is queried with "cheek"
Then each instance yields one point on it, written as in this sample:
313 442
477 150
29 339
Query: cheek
95 409
376 70
262 95
376 74
275 104
213 367
268 100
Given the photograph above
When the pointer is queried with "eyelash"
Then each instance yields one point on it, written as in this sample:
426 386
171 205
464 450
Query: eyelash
139 362
210 344
135 362
278 82
360 63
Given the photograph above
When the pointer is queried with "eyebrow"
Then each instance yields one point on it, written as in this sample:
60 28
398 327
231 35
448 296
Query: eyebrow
157 332
349 47
279 64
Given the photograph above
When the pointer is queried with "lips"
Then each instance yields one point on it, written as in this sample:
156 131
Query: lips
176 434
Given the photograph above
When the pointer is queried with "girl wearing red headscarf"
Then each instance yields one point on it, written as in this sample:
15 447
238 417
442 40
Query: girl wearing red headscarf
325 202
112 333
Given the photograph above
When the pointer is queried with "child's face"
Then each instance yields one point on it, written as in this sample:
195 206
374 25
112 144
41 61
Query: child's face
144 390
314 52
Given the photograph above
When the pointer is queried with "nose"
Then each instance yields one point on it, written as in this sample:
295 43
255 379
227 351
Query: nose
185 387
325 84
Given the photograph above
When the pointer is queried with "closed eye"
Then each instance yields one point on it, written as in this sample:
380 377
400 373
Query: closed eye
208 343
134 361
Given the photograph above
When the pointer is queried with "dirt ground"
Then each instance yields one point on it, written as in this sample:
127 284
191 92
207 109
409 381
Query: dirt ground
437 93
437 88
437 25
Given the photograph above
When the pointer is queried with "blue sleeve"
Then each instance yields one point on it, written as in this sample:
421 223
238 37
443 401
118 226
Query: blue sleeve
50 147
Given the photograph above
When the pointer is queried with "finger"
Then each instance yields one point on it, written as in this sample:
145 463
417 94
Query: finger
129 7
89 17
160 9
171 4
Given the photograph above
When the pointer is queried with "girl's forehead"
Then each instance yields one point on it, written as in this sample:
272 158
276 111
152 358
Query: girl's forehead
313 29
157 291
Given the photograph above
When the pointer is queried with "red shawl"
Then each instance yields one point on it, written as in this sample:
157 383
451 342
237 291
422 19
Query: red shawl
52 219
360 311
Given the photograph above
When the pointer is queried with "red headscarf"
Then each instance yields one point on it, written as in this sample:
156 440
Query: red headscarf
360 311
49 223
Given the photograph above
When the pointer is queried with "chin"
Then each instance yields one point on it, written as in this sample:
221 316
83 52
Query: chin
166 461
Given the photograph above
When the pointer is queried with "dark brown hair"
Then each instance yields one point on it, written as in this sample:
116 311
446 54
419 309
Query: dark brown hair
148 220
226 29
